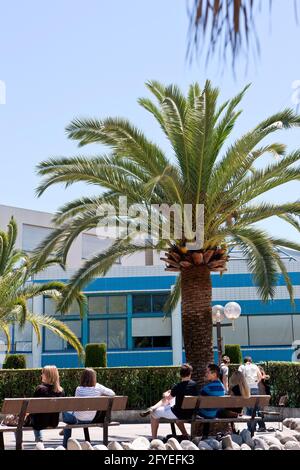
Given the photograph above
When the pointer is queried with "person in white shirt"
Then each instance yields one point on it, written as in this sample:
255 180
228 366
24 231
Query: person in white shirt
253 376
88 388
224 371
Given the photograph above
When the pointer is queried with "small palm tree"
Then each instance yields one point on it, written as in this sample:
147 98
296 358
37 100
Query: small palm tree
199 171
16 271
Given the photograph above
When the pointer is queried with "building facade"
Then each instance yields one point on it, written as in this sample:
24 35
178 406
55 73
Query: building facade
125 307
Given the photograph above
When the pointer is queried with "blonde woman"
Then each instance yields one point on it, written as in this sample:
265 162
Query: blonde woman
238 387
49 387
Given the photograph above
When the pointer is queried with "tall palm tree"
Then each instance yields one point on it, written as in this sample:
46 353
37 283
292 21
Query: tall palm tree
199 170
16 290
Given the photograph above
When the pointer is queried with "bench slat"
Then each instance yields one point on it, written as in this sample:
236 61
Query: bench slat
189 402
56 405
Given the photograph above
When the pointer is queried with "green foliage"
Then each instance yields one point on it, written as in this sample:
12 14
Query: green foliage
143 385
95 355
233 351
16 289
14 361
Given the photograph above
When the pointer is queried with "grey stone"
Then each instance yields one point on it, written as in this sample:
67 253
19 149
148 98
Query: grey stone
196 440
204 446
237 439
247 439
271 440
174 444
286 437
227 442
274 447
213 443
127 446
103 447
188 445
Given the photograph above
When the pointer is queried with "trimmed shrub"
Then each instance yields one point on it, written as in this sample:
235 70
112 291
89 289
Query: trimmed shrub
233 351
14 361
95 355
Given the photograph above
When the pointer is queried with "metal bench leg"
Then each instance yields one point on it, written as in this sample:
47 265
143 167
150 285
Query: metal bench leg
173 429
105 433
2 441
87 434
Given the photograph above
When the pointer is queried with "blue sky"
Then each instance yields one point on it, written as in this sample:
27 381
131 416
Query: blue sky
68 58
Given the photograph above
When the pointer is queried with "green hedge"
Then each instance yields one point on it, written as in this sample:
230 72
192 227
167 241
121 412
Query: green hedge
14 361
233 351
144 385
95 355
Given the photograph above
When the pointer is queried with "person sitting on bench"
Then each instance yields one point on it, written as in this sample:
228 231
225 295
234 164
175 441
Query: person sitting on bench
214 388
88 388
170 406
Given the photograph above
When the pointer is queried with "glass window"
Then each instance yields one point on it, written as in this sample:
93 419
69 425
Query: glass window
98 331
23 338
296 323
110 332
116 334
270 330
50 308
97 305
151 326
141 303
152 342
158 302
117 304
53 342
33 236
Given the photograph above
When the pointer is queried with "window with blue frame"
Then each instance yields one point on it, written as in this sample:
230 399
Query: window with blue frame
148 303
102 327
152 342
54 343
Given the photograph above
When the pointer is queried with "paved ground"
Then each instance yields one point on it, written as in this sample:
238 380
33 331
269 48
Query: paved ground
124 432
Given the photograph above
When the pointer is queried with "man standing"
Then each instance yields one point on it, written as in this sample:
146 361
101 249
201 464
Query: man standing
253 376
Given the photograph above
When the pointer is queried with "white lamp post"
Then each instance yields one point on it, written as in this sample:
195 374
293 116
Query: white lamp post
232 311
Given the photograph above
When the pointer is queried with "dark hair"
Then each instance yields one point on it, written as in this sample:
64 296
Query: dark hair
88 378
214 369
226 359
247 359
186 370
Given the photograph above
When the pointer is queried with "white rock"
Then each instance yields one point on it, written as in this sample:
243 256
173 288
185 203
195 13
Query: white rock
60 448
103 447
73 444
114 445
271 440
286 437
292 445
188 445
245 447
127 446
168 447
274 447
85 445
174 444
260 443
157 444
141 442
39 446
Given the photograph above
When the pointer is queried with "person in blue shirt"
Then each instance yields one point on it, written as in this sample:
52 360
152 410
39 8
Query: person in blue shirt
213 388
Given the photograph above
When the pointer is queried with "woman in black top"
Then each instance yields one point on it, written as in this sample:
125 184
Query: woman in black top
50 387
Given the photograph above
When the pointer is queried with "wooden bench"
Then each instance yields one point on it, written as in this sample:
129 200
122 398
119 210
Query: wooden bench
227 402
21 406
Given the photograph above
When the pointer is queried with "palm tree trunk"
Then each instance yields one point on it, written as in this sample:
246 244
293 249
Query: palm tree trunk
196 295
